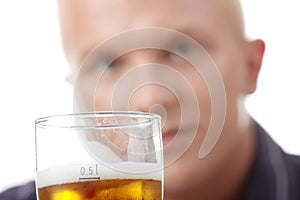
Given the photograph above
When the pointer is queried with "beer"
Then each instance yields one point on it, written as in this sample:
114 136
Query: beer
113 189
109 155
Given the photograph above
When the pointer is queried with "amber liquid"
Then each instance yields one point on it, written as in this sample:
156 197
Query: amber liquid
116 189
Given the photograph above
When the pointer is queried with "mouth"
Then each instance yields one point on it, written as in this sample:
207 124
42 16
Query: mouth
184 135
168 136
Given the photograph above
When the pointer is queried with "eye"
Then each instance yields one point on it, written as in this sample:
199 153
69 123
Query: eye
181 49
107 64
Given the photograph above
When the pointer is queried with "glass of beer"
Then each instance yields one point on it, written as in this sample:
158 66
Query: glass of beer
99 155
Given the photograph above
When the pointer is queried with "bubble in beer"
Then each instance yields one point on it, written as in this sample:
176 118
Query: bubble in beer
66 194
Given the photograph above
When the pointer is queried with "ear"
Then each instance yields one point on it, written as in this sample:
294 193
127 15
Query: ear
255 56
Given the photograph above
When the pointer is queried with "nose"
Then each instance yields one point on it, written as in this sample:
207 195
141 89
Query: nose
148 84
152 97
152 91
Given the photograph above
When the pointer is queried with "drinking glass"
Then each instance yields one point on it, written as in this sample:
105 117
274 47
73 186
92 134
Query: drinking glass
99 155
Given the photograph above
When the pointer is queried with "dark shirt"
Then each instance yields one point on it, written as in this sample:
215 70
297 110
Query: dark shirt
23 192
275 175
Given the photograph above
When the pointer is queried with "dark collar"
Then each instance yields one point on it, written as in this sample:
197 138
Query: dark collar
268 177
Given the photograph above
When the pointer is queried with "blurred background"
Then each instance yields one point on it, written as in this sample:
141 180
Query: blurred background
33 70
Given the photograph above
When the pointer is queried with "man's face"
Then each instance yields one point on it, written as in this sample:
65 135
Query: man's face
214 24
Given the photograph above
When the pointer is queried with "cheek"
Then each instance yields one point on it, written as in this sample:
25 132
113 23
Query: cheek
198 84
203 96
104 95
233 70
233 76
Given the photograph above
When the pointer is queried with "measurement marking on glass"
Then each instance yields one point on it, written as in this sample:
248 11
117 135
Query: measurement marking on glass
89 172
89 178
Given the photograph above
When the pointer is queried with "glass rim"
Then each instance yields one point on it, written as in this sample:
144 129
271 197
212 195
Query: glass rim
44 122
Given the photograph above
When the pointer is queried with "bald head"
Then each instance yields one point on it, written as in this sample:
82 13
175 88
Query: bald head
85 23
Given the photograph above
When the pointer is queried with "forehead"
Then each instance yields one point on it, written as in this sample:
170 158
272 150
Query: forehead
86 23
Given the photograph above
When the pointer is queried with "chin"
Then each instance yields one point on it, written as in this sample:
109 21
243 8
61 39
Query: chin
176 182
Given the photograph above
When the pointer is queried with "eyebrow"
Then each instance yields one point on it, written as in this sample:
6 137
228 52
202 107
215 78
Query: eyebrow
201 36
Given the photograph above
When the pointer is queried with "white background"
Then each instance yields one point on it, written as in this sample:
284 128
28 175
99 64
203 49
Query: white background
33 69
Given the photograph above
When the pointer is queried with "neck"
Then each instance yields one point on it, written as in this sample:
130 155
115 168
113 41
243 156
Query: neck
233 179
241 160
230 181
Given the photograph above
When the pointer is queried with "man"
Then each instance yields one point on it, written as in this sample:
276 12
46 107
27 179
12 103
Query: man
241 162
